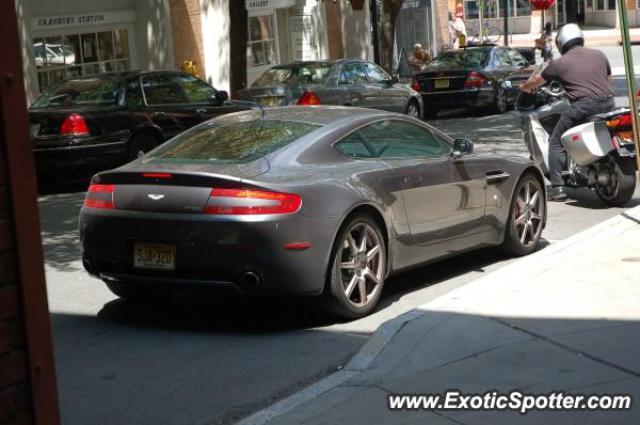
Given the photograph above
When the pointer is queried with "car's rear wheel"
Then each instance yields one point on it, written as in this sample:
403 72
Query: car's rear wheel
357 269
141 143
413 109
527 216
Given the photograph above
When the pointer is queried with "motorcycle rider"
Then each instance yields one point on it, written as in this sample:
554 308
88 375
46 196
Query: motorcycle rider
586 76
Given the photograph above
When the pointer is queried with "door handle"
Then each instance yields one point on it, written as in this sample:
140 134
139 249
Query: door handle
161 115
496 176
413 179
201 111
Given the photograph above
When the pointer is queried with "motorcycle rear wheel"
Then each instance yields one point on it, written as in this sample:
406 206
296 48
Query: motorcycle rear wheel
622 185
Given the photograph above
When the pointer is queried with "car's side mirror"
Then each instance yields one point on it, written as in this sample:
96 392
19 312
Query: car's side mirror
395 79
221 97
462 147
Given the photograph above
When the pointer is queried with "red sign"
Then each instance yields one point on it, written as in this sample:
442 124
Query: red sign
542 4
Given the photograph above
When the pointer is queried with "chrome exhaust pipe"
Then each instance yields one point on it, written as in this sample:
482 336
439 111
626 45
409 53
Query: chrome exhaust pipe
250 279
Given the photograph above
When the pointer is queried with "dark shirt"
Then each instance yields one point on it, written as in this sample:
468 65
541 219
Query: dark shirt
583 72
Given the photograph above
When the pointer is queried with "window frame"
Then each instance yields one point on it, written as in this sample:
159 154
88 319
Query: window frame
364 71
164 75
437 134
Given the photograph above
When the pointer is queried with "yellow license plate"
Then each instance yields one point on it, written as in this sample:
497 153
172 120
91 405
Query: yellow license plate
269 100
442 84
155 256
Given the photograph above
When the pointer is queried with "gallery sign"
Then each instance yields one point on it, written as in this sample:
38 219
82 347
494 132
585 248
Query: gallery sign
39 23
253 5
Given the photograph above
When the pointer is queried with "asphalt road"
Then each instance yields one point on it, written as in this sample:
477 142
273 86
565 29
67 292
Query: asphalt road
209 361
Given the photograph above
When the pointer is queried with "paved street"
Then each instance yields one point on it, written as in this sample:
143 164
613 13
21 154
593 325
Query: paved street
211 361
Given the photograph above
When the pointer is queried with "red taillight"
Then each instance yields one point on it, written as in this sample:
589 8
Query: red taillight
100 196
74 125
475 80
620 122
309 98
415 84
244 202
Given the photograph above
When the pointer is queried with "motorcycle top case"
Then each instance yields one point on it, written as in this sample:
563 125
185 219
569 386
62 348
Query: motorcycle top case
588 142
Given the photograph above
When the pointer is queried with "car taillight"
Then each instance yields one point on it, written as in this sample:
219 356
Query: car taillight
100 196
74 125
475 80
247 202
309 98
415 84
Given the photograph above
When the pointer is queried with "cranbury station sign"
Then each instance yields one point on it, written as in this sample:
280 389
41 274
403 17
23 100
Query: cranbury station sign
83 19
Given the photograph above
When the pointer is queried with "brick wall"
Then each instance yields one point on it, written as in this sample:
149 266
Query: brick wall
631 4
186 26
15 389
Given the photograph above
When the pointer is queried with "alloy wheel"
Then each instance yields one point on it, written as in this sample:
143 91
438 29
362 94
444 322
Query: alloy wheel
528 213
413 110
362 265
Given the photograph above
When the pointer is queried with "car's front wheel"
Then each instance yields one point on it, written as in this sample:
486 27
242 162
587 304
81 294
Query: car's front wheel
358 268
413 109
527 216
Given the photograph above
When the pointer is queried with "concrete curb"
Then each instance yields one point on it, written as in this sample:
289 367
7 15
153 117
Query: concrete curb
362 360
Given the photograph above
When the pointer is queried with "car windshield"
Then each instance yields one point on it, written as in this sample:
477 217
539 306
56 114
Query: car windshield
302 74
85 92
235 142
471 58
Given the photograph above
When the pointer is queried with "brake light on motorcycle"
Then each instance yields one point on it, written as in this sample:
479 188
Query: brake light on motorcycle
74 125
251 202
475 80
415 85
309 98
100 196
620 122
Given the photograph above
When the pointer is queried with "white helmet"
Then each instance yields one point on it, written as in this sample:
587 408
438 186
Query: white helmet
569 35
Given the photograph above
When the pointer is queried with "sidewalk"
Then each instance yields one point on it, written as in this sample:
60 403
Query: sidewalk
564 319
593 37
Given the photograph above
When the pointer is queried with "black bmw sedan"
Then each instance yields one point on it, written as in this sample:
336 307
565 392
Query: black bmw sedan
478 78
95 123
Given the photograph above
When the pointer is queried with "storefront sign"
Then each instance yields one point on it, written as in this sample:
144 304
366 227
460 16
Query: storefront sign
415 4
253 5
84 19
303 41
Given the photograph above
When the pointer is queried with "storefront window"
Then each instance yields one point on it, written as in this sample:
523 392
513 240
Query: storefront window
261 46
495 8
69 56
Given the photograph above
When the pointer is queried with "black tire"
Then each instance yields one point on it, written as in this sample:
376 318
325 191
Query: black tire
624 170
501 103
521 238
141 142
341 279
413 109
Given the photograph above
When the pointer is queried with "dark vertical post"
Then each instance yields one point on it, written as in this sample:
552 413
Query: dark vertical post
238 36
506 22
373 12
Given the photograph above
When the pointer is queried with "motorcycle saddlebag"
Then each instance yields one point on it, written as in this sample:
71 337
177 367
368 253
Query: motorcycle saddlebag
588 142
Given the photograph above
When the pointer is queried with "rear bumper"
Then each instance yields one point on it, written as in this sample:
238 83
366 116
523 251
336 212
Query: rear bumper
211 251
469 98
78 158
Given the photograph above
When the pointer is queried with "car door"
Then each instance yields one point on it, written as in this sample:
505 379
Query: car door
389 96
166 104
354 86
204 102
444 198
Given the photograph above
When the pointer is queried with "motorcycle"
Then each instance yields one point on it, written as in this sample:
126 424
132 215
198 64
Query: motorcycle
601 152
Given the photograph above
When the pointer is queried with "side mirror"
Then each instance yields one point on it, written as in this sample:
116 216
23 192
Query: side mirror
395 79
462 147
222 96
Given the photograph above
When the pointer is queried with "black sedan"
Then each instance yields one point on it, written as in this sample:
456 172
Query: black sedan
314 201
344 82
478 78
99 122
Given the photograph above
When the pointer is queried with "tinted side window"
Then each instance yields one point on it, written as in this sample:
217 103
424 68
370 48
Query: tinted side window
353 73
393 139
376 74
195 90
159 90
501 58
134 94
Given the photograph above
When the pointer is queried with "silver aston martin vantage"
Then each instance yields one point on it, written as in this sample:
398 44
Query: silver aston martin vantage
323 201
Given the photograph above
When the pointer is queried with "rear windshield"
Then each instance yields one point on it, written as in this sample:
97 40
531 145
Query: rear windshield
232 143
85 92
472 58
305 74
